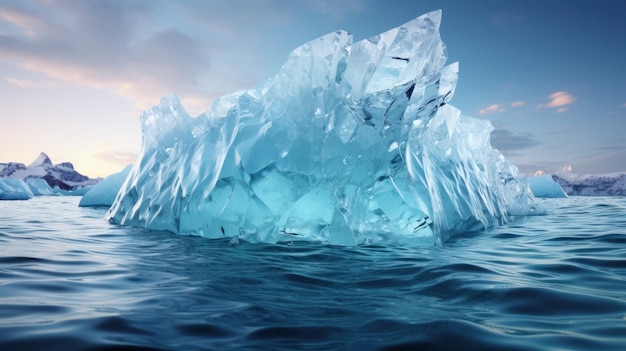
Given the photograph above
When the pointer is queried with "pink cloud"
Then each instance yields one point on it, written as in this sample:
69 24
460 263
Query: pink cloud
491 109
517 103
560 99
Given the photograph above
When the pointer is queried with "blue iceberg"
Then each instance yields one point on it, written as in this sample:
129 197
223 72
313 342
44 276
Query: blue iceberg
543 185
350 143
14 189
40 187
103 193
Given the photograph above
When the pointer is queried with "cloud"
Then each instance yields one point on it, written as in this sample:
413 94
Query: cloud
143 50
559 99
562 109
24 20
492 109
495 108
113 46
508 142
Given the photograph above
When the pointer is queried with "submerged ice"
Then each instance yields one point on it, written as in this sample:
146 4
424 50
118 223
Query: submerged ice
349 143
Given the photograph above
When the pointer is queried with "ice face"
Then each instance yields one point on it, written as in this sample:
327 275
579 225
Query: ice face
14 189
103 193
347 144
544 186
39 187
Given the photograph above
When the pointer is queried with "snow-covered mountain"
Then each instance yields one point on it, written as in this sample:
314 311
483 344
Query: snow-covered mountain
62 175
609 184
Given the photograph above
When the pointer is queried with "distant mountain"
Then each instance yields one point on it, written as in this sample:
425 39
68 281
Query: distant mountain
6 169
609 184
62 175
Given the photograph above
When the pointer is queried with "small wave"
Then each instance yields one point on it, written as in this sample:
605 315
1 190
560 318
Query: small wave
556 303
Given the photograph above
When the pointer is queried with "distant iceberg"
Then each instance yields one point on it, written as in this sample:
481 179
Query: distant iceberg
14 189
40 187
348 144
103 194
544 186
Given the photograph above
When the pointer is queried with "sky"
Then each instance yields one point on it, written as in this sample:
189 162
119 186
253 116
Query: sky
75 75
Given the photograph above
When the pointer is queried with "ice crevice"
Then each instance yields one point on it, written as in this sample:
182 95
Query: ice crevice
349 144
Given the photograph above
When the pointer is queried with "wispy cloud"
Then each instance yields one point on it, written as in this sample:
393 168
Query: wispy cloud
559 100
141 50
104 45
492 109
22 19
500 107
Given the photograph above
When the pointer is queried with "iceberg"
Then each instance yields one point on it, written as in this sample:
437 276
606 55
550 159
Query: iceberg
78 191
349 144
543 185
39 187
103 193
14 189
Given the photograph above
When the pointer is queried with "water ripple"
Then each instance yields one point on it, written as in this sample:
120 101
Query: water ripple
71 281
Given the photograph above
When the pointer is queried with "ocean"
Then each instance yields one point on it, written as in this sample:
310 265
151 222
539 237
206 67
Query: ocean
69 280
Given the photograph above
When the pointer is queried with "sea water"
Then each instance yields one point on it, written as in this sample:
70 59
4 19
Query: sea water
69 280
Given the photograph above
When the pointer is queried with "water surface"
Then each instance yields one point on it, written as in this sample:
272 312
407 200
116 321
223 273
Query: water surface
71 281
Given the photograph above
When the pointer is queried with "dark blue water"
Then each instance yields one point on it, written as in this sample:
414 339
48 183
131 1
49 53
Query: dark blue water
71 281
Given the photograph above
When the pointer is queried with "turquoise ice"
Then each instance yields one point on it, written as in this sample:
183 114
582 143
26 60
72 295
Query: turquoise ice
544 186
350 143
103 193
14 189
